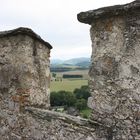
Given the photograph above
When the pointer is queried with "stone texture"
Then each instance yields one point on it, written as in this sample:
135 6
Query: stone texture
39 124
114 74
89 17
24 84
24 69
114 82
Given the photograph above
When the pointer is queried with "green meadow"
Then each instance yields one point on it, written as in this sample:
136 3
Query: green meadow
67 84
70 84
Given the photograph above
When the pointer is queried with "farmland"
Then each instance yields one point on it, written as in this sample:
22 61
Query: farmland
69 84
63 93
70 74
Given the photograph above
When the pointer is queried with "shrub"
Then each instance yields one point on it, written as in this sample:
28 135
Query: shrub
72 76
85 113
62 98
81 104
82 93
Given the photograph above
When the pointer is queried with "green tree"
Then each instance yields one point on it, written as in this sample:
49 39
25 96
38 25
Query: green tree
81 104
82 93
62 98
54 75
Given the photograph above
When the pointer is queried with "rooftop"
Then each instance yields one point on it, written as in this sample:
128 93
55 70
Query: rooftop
89 16
25 31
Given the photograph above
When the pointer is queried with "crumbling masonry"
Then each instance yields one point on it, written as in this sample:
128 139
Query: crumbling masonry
25 91
115 71
114 81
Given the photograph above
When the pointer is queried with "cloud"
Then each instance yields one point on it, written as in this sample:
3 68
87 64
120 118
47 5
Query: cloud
68 52
54 20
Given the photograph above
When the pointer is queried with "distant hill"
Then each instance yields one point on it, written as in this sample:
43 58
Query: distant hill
75 61
71 64
56 61
83 64
81 61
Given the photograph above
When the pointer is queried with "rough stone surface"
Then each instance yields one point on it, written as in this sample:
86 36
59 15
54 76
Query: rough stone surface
24 69
24 84
107 12
114 82
115 71
39 124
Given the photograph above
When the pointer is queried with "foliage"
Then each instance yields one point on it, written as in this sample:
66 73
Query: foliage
81 104
72 76
62 98
82 93
85 113
54 75
78 99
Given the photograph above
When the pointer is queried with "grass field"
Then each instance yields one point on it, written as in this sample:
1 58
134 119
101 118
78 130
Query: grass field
70 84
67 85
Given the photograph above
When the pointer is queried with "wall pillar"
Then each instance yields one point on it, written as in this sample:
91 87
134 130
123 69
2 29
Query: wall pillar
115 72
24 69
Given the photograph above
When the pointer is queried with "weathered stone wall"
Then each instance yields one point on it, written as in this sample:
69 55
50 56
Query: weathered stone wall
114 82
115 71
24 88
24 70
39 124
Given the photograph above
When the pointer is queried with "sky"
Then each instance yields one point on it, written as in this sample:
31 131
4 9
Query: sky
55 21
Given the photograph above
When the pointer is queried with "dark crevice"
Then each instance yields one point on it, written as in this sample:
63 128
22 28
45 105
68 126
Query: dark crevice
34 48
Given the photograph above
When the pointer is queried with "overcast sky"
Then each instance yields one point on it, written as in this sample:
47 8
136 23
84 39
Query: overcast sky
55 21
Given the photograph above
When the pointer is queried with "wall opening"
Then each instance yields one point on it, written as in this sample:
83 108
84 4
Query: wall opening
69 86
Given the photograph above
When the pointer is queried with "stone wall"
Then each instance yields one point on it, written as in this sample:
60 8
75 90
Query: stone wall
24 81
114 82
39 124
24 93
24 68
115 71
